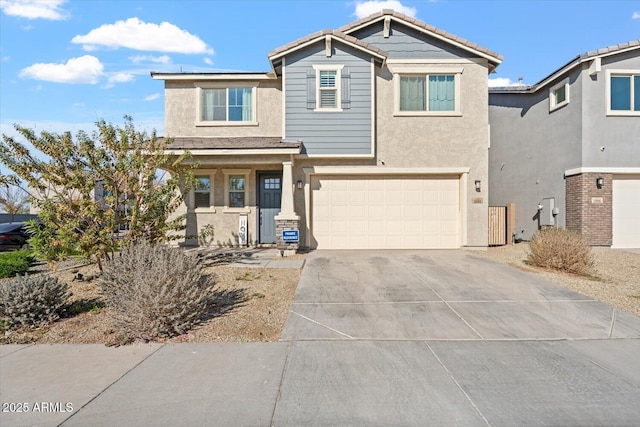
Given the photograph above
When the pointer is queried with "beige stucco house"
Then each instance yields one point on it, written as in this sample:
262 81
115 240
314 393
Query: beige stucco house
374 135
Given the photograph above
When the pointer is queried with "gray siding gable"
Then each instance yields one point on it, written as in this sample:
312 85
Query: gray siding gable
346 132
406 42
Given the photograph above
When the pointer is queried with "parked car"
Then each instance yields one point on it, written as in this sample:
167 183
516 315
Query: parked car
13 235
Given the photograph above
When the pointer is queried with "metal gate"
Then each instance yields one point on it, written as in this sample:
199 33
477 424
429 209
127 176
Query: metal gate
497 225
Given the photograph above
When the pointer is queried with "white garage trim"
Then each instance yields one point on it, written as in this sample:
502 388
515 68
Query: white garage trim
625 211
613 170
461 173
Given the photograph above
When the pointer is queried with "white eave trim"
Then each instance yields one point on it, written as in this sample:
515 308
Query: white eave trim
209 77
383 170
491 58
235 152
326 37
580 61
612 170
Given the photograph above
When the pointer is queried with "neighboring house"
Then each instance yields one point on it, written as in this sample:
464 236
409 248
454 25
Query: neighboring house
374 135
566 150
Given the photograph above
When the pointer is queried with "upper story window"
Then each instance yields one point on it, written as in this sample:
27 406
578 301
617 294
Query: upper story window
419 91
428 93
328 88
623 87
559 95
226 106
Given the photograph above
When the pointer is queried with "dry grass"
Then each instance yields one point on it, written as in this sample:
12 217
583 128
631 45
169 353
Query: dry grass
560 249
253 305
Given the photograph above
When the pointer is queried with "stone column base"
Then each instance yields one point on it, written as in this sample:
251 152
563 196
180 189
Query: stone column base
286 248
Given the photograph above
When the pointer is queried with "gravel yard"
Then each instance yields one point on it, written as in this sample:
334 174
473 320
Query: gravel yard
615 280
251 305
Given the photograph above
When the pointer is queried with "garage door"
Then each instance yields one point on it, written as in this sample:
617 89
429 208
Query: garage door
626 212
365 212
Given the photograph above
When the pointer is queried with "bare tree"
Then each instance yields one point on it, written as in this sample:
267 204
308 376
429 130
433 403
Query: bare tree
14 200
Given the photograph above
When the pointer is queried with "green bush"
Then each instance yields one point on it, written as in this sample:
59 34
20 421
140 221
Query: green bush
156 291
32 300
562 250
15 263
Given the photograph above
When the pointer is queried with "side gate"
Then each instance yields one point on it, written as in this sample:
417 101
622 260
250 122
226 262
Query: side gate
497 225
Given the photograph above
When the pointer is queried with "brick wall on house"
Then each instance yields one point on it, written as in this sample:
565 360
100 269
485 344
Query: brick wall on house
286 225
589 208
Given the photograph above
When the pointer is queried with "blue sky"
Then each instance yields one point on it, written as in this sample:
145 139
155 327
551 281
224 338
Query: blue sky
66 64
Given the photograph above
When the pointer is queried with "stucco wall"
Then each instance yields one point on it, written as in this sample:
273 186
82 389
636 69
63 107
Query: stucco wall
181 112
531 148
620 136
433 141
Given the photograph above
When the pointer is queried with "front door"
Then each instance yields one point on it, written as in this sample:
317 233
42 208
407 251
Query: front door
270 195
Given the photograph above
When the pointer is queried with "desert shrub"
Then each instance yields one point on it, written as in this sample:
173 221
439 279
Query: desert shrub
560 249
156 291
32 300
15 263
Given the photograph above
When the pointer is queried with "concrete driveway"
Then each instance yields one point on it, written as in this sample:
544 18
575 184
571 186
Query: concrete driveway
440 295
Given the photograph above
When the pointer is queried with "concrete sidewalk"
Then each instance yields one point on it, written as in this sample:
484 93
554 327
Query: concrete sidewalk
400 383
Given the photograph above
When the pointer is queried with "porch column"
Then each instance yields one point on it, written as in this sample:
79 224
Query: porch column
287 219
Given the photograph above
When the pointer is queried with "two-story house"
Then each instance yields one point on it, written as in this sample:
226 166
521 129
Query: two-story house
566 150
374 135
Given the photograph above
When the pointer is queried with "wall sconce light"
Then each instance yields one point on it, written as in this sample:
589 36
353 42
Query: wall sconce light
599 182
478 187
299 185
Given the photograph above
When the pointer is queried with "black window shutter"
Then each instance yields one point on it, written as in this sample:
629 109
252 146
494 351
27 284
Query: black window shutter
346 88
311 89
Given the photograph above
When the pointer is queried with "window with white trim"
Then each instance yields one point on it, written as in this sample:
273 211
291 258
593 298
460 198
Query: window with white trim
220 105
421 92
326 83
236 184
559 95
623 92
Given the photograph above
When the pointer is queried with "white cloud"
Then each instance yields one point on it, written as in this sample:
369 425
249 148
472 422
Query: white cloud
35 9
366 8
208 61
502 82
152 97
138 35
86 69
164 59
121 78
6 58
636 15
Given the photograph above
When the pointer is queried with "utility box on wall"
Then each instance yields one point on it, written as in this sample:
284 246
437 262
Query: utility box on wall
547 217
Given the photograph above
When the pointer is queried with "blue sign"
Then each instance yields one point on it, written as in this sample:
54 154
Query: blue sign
290 235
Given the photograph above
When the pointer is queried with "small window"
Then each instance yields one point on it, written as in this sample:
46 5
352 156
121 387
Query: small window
328 88
559 95
272 183
428 94
623 92
227 104
326 83
202 191
236 191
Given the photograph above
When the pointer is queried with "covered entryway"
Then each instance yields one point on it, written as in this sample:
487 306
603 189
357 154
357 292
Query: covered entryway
386 212
626 212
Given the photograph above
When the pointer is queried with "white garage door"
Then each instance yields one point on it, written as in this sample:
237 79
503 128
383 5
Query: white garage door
626 212
370 212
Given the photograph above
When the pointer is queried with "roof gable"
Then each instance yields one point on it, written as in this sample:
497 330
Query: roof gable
592 55
276 55
393 16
